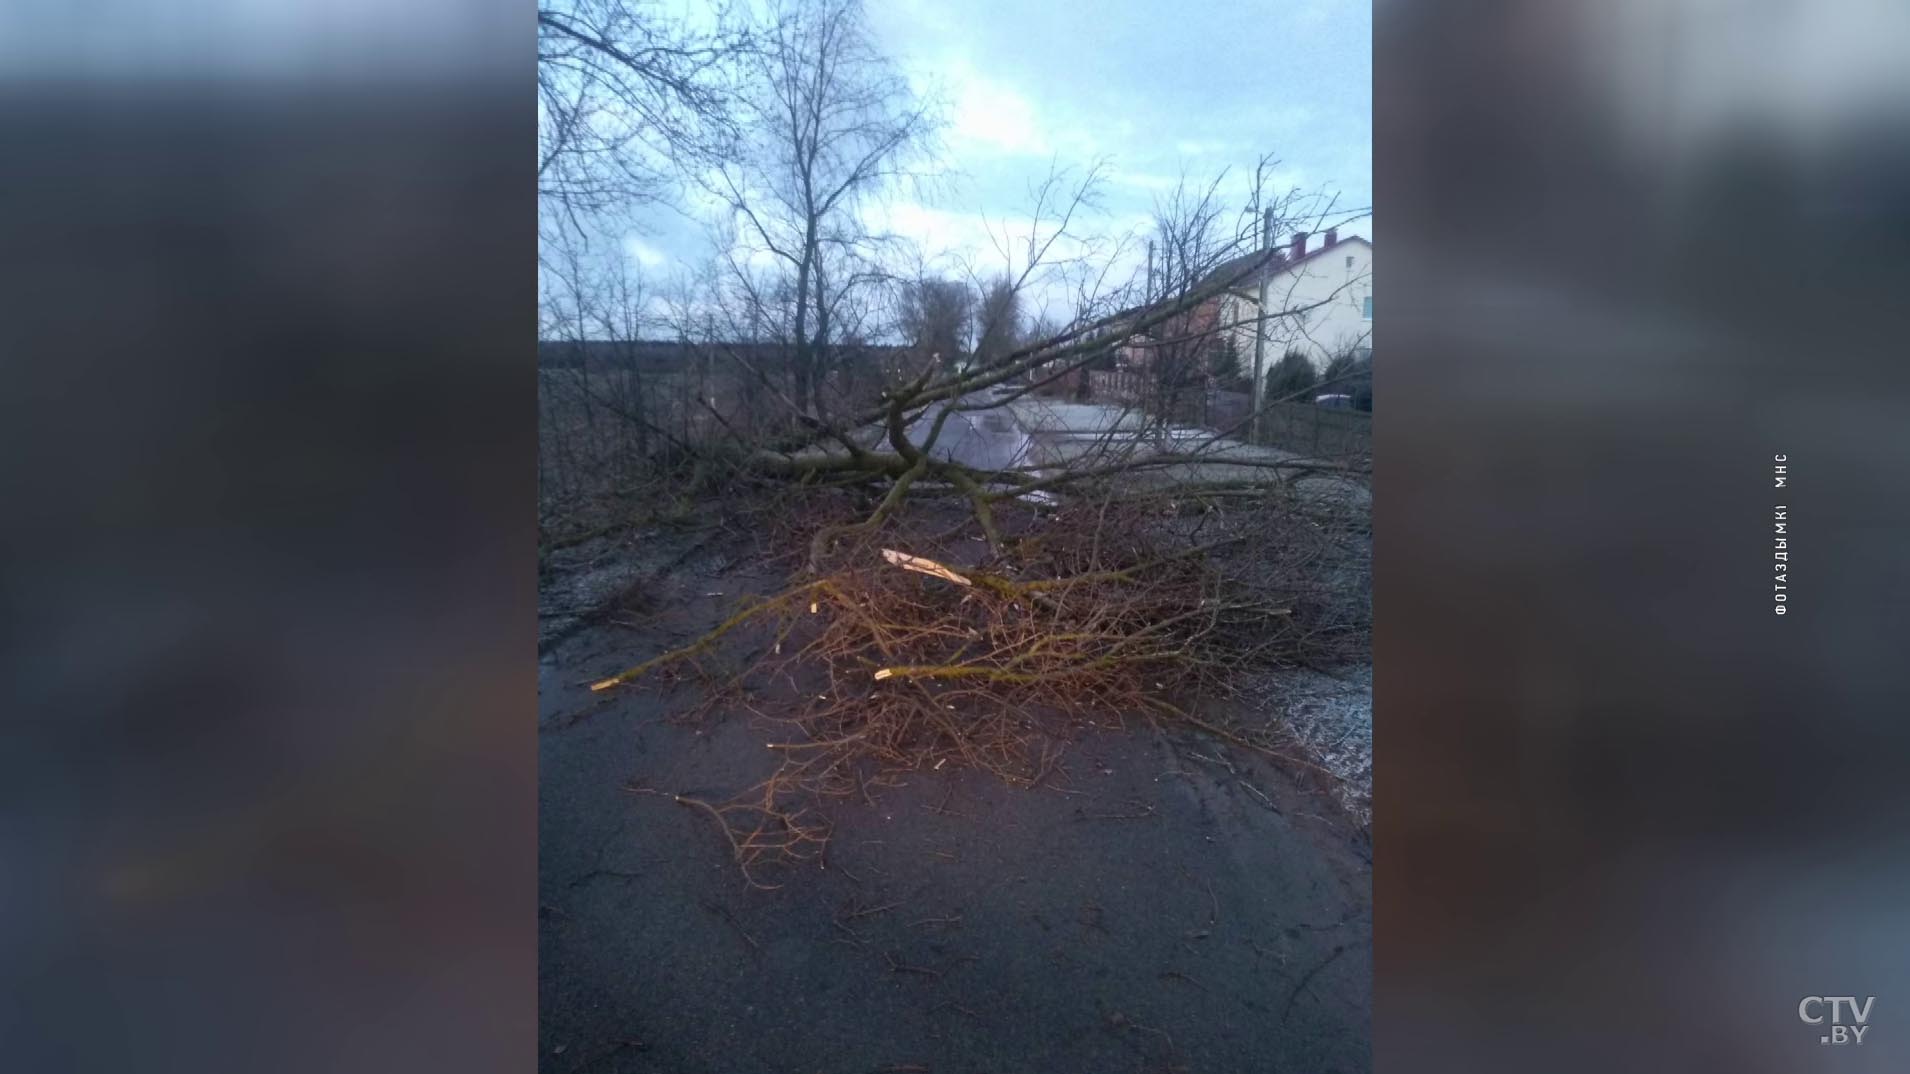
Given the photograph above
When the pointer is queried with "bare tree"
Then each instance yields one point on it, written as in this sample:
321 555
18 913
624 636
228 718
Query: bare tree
603 420
815 125
1191 242
997 320
627 101
624 99
934 318
830 126
1042 327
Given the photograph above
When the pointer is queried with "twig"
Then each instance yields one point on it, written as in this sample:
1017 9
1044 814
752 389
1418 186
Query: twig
871 910
1146 811
1179 976
1308 979
595 873
897 966
727 916
604 1053
1120 1021
1260 794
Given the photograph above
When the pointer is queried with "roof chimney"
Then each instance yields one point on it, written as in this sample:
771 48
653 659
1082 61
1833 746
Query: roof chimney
1332 236
1299 245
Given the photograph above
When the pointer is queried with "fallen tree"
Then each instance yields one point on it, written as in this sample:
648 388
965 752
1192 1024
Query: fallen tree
1129 573
1104 614
896 441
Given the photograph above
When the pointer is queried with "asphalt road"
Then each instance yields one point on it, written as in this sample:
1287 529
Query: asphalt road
1172 905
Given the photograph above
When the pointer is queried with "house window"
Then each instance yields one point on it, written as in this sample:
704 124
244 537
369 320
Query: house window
1349 261
1366 308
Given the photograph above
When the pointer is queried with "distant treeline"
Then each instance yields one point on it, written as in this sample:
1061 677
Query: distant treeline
668 356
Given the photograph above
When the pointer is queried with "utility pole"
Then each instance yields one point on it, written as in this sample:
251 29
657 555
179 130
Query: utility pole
1260 330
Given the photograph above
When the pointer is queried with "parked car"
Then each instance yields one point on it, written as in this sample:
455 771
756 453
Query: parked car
1334 401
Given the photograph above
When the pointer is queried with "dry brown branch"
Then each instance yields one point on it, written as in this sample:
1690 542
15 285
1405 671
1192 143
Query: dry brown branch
704 643
914 660
758 832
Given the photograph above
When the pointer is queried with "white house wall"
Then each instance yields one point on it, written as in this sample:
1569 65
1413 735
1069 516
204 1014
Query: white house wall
1323 300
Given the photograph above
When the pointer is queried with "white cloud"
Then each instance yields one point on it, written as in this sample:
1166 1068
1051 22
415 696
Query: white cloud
947 237
1234 186
1312 14
643 253
1196 147
992 115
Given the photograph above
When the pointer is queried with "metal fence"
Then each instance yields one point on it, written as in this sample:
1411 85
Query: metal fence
1310 430
1301 428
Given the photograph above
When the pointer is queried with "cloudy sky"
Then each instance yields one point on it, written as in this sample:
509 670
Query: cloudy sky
1154 88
